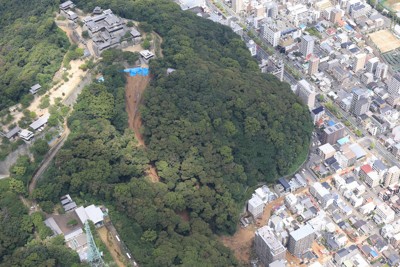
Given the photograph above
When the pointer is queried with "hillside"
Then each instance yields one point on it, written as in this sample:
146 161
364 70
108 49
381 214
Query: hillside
31 48
211 128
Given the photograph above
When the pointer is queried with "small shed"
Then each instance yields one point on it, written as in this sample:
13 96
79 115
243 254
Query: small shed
39 122
13 132
35 88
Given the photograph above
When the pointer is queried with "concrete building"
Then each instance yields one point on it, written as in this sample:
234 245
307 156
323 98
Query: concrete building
268 247
392 176
322 194
307 45
394 84
306 92
345 254
367 78
385 213
333 133
272 34
359 62
381 71
372 179
255 206
237 6
290 201
372 64
92 213
359 102
278 263
26 135
336 15
326 151
301 240
271 10
317 114
313 65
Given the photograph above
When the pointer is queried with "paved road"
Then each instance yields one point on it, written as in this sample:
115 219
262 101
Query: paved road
123 248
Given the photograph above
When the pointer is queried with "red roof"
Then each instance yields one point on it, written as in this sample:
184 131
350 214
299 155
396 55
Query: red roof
331 31
366 168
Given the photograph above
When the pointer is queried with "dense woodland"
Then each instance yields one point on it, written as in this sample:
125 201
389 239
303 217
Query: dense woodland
212 128
18 245
31 48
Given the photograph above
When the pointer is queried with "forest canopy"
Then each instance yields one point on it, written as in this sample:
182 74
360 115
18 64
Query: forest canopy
213 127
31 48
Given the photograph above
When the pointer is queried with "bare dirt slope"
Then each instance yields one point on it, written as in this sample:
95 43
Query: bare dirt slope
134 89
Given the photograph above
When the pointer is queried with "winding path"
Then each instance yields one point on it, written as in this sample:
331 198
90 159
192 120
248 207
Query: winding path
48 158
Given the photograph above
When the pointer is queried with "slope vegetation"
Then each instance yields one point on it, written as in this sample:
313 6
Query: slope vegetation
31 48
211 128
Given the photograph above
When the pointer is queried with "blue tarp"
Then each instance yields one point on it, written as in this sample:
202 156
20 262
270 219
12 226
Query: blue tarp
137 71
331 123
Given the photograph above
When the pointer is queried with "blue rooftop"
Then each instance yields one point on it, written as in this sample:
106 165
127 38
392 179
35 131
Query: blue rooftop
331 123
284 183
348 27
343 140
373 253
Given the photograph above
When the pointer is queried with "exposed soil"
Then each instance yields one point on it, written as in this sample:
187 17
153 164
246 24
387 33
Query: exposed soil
152 173
109 240
240 243
134 89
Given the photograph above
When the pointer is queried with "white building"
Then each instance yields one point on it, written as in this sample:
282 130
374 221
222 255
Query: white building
321 194
372 64
394 84
367 208
268 247
392 176
307 93
265 194
381 71
290 200
272 34
26 135
256 206
385 214
372 179
359 62
307 45
92 213
237 5
327 150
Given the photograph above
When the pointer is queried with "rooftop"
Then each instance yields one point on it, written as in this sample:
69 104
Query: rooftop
302 232
270 239
366 168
